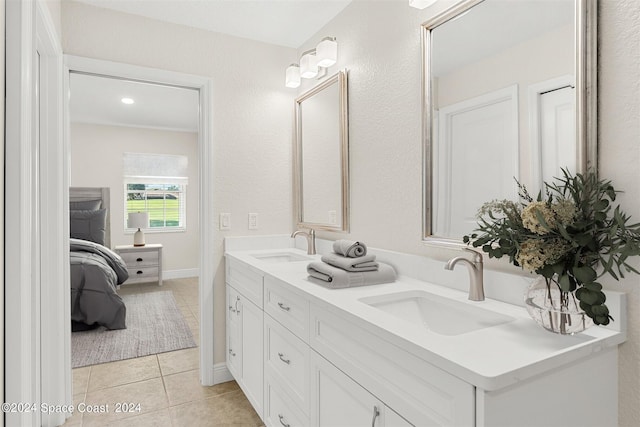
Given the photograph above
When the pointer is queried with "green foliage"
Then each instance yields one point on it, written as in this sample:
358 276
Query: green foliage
569 233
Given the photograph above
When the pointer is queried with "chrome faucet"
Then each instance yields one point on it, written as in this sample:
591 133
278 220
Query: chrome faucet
475 267
311 239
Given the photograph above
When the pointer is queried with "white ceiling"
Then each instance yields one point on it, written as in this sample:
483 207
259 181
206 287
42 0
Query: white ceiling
96 99
287 23
493 26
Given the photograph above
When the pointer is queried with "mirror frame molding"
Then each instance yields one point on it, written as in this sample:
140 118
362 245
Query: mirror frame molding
341 79
586 35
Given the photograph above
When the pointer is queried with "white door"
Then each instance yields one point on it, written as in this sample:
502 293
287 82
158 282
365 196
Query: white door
477 159
557 132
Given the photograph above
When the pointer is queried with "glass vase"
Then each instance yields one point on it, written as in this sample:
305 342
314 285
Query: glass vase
555 310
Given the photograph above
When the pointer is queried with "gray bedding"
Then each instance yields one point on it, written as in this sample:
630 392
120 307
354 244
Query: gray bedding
95 273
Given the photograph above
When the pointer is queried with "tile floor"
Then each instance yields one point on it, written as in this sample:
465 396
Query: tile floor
166 385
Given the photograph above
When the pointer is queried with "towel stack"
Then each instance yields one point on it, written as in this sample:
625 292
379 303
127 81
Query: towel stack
348 266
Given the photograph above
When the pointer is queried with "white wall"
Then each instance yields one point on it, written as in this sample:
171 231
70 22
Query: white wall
252 113
380 44
96 161
619 157
54 8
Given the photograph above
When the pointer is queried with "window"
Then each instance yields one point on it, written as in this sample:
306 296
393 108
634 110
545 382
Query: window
157 184
165 204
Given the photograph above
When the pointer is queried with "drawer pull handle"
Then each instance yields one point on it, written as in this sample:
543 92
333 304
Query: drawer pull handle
376 414
284 307
231 309
282 421
139 272
287 361
231 352
139 259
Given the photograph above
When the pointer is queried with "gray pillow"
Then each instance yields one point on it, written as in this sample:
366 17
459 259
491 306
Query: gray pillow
88 225
85 205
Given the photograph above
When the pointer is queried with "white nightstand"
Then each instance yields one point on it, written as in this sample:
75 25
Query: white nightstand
144 263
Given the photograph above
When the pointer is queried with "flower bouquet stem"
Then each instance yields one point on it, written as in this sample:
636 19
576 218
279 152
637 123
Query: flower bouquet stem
556 310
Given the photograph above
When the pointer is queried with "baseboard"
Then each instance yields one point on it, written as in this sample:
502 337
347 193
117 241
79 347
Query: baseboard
221 374
180 274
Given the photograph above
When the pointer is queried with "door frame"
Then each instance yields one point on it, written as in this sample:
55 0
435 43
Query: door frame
34 226
535 91
206 178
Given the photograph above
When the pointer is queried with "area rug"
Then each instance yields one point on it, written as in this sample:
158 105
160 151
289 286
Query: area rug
155 324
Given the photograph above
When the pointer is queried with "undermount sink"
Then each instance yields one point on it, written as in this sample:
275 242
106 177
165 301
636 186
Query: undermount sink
281 257
437 314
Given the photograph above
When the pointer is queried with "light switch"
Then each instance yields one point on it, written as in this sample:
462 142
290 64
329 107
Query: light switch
225 221
253 221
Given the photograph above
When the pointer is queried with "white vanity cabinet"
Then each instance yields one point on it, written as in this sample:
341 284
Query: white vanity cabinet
245 331
340 401
304 358
418 391
286 356
234 333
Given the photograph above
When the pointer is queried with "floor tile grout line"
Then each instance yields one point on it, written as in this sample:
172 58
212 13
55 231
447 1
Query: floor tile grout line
185 292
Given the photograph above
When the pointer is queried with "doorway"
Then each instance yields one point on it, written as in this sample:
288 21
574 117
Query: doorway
204 158
137 143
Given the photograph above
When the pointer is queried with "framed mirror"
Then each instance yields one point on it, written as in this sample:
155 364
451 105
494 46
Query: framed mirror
321 153
509 93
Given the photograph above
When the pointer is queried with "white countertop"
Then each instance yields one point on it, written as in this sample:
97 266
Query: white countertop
490 358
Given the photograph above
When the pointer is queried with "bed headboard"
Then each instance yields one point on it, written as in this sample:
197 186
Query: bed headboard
81 194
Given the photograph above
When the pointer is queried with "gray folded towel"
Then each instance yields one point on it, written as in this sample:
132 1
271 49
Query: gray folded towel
363 263
336 278
349 248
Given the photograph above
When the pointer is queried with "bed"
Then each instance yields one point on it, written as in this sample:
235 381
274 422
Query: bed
96 271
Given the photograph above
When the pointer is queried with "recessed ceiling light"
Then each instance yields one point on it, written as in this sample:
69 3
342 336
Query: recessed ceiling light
127 101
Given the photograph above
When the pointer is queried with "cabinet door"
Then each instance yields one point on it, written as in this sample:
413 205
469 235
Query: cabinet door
234 334
340 401
252 357
392 419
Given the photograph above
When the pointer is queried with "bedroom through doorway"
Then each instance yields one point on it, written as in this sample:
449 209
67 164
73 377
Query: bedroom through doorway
134 156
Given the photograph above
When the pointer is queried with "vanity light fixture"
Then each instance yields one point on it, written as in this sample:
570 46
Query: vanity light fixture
313 62
127 101
421 4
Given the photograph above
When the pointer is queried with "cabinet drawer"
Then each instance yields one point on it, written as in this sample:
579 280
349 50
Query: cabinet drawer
143 273
419 391
278 411
287 307
287 361
246 280
140 259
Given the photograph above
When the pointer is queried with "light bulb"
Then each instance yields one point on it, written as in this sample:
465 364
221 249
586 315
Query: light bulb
327 52
292 78
421 4
308 66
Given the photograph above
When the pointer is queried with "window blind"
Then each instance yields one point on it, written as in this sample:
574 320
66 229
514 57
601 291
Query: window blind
147 168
